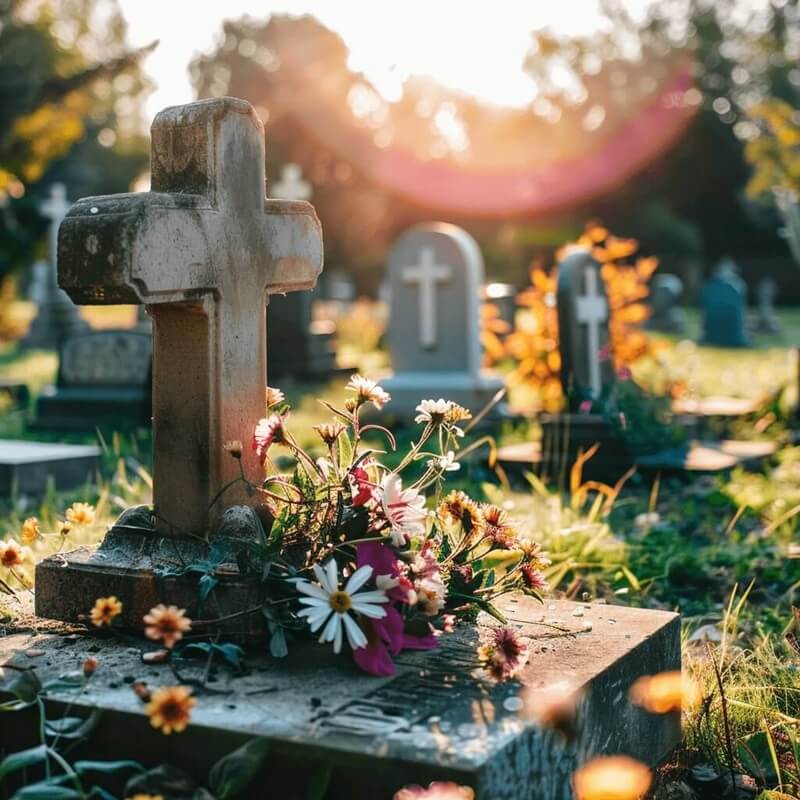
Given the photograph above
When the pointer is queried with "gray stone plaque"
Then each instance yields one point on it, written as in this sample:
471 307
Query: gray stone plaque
28 468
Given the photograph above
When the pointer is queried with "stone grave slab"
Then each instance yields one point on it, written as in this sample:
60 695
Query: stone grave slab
435 274
104 381
28 467
696 457
437 719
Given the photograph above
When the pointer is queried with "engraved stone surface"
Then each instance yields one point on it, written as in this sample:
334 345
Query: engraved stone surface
435 274
28 467
104 379
437 719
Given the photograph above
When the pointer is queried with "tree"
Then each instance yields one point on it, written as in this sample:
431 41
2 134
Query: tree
70 110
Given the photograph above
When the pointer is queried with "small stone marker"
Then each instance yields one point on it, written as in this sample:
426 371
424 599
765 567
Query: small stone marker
291 186
437 719
766 319
57 316
27 468
586 368
104 380
723 301
435 274
202 250
665 295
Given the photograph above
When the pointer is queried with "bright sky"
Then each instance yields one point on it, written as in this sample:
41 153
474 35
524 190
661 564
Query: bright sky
475 47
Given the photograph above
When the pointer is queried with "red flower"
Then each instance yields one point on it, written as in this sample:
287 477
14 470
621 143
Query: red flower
362 489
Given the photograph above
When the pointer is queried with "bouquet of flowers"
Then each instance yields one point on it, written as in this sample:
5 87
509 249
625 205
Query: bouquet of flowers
379 558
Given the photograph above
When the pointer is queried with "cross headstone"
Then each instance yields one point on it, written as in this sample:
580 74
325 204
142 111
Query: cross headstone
583 316
723 300
203 250
56 315
291 186
666 316
766 319
435 276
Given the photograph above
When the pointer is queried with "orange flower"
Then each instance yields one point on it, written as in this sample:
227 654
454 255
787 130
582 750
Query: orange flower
611 778
11 554
80 514
89 666
30 530
146 797
104 611
665 692
170 708
167 623
234 448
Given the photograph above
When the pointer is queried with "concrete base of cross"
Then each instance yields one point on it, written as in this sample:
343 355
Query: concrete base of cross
438 718
143 568
474 392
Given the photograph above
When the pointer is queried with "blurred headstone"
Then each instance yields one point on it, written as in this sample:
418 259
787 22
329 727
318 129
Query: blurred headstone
291 185
104 380
30 468
435 274
57 316
297 346
586 368
665 296
723 300
766 319
503 296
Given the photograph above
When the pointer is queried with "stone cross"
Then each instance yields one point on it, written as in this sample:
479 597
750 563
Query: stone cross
203 250
55 208
427 274
592 309
583 333
291 186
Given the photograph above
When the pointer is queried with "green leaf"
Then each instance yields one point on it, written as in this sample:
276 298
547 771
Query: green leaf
231 653
23 759
278 648
46 790
106 767
205 586
25 686
232 773
754 753
73 727
344 451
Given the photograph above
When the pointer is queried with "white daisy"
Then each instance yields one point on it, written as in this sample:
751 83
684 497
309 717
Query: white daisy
445 463
328 605
433 411
368 391
404 508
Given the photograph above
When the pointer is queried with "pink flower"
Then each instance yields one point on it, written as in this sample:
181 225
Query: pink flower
386 637
534 578
436 791
504 653
624 374
390 574
585 407
267 431
404 508
604 353
362 489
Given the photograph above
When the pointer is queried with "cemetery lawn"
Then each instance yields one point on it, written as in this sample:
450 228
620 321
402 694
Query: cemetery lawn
719 550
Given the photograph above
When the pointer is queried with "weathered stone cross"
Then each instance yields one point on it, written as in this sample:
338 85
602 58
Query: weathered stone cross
427 273
592 309
203 250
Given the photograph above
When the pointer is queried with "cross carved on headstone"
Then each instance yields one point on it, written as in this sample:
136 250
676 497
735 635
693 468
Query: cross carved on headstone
202 249
427 274
592 309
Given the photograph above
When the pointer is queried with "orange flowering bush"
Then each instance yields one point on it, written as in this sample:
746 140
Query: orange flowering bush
534 345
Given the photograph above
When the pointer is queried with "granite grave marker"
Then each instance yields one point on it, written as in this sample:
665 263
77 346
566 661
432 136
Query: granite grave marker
435 273
723 300
104 380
